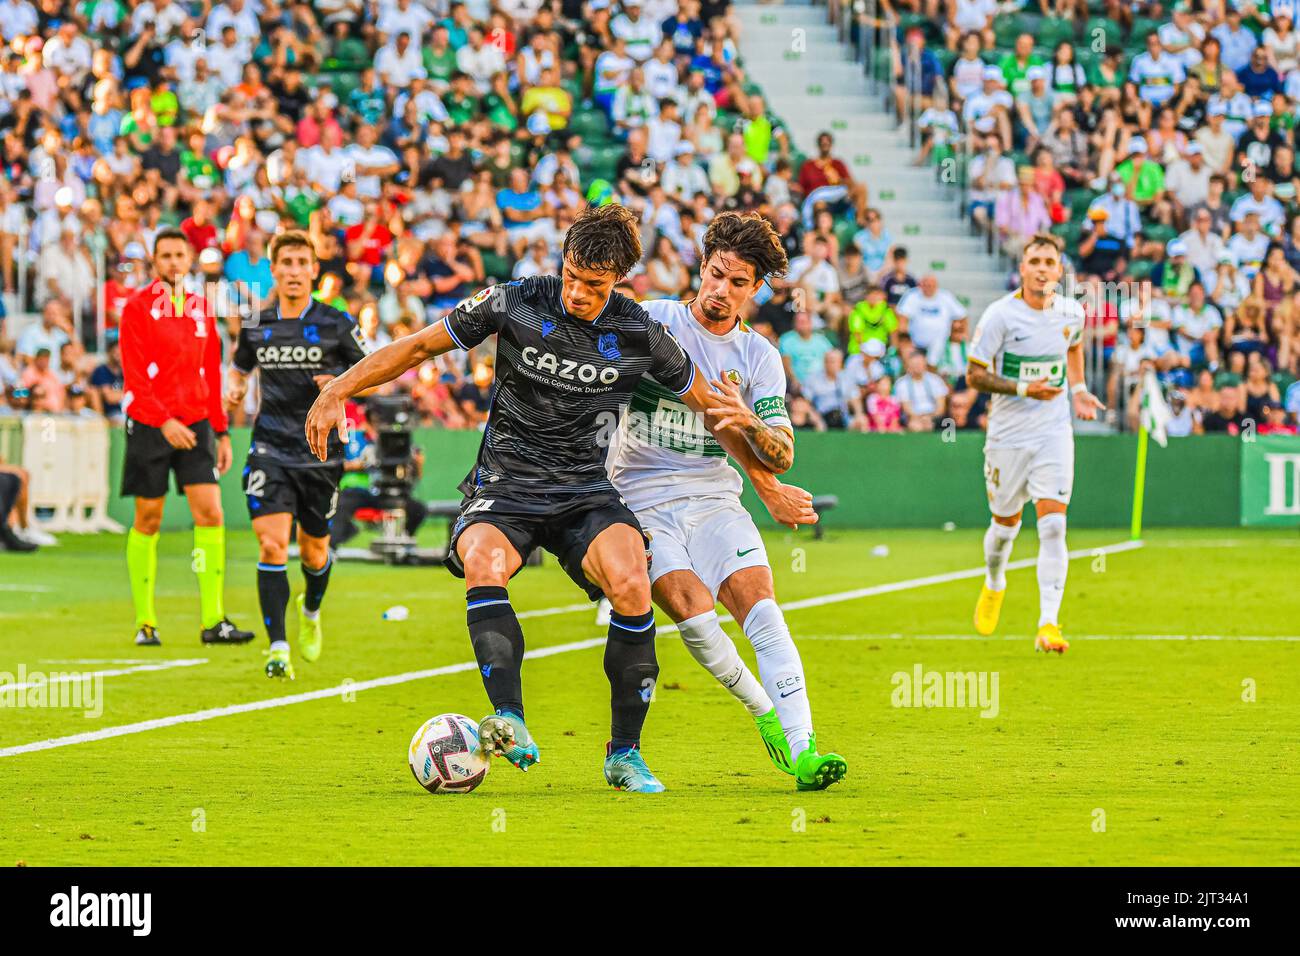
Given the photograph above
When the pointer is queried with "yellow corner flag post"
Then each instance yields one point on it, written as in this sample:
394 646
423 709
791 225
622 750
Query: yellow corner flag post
1139 485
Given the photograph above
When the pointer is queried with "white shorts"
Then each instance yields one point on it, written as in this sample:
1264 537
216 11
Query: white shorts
714 537
1013 476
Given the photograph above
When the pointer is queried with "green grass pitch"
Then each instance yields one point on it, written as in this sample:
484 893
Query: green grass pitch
1127 750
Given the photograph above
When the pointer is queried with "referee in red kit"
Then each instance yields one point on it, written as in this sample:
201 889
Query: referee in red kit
171 363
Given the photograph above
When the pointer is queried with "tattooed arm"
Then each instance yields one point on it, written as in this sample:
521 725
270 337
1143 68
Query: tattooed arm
982 378
774 446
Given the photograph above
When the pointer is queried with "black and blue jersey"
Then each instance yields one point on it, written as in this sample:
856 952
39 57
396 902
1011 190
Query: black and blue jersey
290 353
561 382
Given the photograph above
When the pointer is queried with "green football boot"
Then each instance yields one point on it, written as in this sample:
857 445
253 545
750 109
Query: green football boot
279 665
309 633
778 749
814 771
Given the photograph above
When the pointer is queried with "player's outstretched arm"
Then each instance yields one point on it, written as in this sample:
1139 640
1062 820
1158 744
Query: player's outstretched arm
788 505
381 366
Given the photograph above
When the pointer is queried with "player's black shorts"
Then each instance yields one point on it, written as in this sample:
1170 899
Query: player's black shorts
149 459
309 494
564 525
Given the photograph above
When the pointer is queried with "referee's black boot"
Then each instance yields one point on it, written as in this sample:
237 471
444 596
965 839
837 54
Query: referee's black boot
11 542
225 632
147 636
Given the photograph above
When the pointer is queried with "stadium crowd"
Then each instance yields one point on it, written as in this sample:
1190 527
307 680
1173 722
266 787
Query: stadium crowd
430 147
1158 141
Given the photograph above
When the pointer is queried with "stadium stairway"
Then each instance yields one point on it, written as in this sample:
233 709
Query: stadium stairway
821 88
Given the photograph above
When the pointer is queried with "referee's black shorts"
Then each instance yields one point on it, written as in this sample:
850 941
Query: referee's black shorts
150 459
563 524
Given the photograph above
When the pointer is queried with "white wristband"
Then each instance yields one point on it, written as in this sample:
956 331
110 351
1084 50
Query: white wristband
1022 389
1078 387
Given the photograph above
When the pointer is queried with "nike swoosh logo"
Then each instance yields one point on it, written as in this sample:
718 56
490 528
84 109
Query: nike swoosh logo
788 693
741 554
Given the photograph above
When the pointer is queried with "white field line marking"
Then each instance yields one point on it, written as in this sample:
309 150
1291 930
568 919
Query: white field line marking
1281 638
113 672
327 692
21 588
99 660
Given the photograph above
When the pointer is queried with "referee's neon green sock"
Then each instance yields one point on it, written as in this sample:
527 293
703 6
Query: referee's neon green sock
209 563
142 568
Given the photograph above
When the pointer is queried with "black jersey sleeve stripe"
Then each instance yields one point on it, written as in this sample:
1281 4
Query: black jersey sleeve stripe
689 382
446 322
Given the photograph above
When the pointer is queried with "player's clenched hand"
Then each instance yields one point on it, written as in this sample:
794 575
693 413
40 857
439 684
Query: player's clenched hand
1042 390
789 505
235 392
326 415
728 408
322 380
225 457
1087 405
177 435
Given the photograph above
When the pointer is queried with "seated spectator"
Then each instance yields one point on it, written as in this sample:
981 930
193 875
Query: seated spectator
1020 213
882 412
48 393
108 382
803 351
831 392
927 313
922 394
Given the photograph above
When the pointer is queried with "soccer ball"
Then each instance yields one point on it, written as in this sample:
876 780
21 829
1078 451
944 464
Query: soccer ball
445 755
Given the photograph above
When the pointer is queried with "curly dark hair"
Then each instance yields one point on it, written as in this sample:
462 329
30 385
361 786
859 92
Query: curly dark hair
752 238
604 238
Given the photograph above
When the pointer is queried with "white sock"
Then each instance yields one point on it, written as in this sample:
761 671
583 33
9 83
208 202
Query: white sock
997 552
311 615
1053 565
782 672
716 652
279 645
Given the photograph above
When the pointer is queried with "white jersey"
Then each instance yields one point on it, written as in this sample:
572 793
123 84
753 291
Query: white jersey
1025 345
662 450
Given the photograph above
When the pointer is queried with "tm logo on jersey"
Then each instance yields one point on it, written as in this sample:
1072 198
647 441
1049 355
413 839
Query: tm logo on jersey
547 327
607 345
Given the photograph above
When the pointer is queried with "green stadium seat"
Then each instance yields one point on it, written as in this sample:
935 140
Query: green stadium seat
1069 231
1007 28
1142 28
1140 270
591 125
1110 29
844 232
497 268
1159 232
927 26
1079 200
343 83
1052 30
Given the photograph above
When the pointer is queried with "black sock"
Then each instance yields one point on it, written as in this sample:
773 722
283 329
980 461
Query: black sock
498 646
273 595
632 670
317 581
